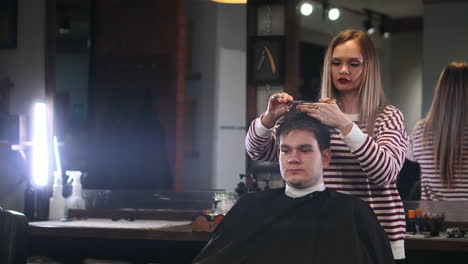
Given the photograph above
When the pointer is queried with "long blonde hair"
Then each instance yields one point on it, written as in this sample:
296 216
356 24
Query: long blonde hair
445 122
371 94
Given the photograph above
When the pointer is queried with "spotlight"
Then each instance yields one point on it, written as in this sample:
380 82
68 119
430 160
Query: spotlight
306 9
382 27
368 26
334 14
325 8
368 23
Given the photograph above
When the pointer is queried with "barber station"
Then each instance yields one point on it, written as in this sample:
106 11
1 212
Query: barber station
233 131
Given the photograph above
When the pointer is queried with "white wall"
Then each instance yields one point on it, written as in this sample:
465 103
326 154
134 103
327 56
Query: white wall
230 96
198 168
405 90
25 67
445 40
218 53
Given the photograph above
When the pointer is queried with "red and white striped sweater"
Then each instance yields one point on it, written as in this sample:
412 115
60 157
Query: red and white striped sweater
362 166
431 185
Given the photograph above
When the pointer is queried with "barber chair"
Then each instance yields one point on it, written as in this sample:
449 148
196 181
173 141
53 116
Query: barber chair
13 237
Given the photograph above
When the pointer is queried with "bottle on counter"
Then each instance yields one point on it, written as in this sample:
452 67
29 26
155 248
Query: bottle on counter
57 204
75 201
411 222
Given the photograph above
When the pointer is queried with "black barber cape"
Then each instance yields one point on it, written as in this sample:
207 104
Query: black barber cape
322 227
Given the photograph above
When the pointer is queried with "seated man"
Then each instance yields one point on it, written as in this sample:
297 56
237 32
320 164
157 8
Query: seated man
304 222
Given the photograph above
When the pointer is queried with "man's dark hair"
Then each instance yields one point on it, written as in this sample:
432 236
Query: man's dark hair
301 121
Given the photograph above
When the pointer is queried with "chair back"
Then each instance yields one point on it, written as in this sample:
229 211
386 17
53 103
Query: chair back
13 237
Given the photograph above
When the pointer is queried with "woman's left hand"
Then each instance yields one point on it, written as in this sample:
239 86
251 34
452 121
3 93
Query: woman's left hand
329 114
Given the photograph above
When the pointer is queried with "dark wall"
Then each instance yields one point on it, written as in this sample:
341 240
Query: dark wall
136 94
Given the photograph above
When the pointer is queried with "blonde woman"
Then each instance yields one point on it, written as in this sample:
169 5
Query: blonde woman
439 142
369 141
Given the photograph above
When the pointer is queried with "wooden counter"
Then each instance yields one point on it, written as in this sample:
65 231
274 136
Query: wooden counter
441 243
121 229
144 240
138 241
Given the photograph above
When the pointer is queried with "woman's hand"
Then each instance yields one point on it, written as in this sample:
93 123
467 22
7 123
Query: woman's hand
277 106
329 114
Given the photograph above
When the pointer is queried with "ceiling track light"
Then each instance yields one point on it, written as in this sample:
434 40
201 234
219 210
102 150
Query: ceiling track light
333 14
306 8
383 26
325 7
368 22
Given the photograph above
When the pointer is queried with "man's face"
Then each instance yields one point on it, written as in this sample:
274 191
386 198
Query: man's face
301 161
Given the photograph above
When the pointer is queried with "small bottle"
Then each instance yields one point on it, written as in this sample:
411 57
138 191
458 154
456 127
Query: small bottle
57 204
419 222
411 222
75 201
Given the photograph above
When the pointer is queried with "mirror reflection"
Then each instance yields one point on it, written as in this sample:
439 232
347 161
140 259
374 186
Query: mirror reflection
114 98
401 41
399 53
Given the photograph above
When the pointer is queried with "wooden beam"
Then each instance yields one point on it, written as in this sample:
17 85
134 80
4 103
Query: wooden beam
291 25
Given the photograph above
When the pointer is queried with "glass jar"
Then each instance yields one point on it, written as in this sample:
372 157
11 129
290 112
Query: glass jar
223 202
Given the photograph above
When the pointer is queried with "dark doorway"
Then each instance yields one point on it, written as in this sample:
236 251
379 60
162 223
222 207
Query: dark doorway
311 63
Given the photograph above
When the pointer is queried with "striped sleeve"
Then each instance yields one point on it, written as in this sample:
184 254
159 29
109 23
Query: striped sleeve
260 143
382 157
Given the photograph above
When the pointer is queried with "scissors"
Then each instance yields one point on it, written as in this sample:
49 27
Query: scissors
298 102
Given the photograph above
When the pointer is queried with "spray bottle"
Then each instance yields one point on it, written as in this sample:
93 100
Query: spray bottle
57 204
75 201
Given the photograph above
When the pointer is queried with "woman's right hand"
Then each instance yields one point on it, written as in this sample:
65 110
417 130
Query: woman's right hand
277 106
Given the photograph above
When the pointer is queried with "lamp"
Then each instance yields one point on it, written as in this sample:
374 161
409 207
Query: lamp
325 8
368 22
230 1
306 8
40 147
382 27
334 14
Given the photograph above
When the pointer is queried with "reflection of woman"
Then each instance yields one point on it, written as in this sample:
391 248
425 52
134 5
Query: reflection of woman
439 142
369 141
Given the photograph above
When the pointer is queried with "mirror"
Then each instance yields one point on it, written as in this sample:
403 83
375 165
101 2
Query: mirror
112 109
401 56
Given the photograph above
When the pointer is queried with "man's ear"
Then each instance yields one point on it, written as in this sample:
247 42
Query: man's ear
326 157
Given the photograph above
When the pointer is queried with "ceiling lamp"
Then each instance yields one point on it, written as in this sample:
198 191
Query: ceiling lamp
368 22
334 14
383 28
231 1
306 8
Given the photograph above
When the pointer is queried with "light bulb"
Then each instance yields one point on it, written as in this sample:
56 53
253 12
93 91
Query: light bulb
333 14
306 9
